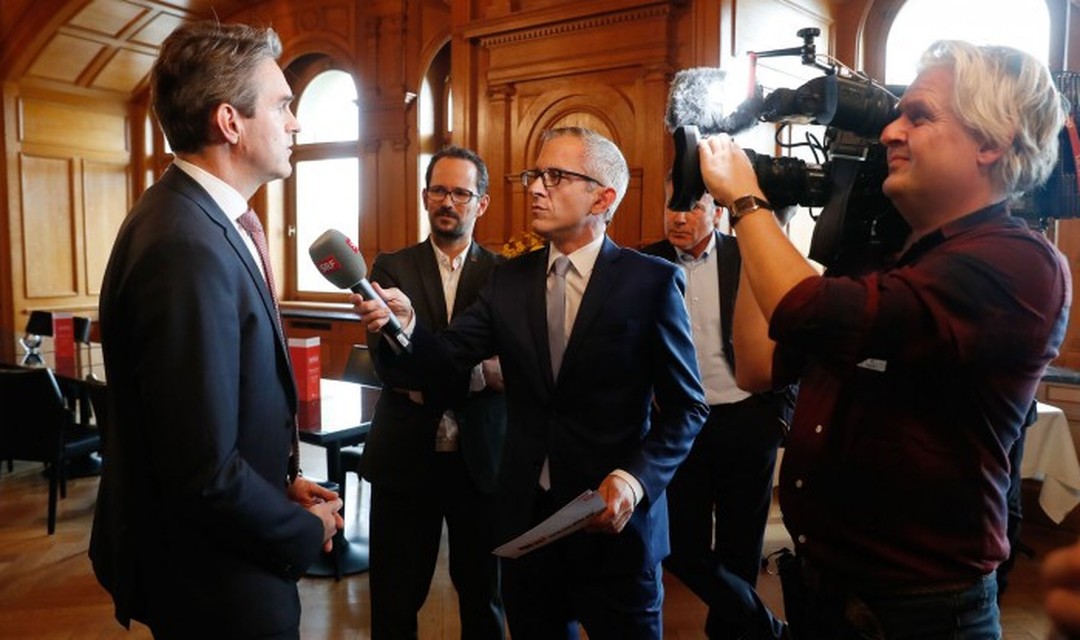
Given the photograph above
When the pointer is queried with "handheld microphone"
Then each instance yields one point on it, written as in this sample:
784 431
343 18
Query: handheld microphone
340 262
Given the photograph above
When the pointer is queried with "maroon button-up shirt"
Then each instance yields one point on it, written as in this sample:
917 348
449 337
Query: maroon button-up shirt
915 381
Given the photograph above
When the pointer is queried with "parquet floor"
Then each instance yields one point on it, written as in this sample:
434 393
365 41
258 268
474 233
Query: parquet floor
47 590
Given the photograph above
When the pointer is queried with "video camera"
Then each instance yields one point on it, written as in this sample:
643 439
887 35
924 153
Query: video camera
857 226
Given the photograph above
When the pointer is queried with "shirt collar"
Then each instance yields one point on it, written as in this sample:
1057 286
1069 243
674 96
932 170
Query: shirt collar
225 196
689 257
956 227
583 259
445 261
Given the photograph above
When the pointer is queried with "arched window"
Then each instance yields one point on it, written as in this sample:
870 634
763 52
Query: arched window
1023 24
326 179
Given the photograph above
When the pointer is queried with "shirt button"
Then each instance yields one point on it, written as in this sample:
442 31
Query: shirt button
818 429
799 483
801 539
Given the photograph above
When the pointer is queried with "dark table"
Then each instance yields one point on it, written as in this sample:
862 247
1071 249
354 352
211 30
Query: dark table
340 417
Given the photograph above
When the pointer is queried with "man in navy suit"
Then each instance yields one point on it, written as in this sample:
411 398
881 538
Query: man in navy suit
202 526
582 422
428 462
719 498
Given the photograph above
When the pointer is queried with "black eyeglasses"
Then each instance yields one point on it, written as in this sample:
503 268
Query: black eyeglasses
457 196
552 177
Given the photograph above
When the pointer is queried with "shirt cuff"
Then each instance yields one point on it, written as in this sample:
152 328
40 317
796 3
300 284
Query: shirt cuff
635 486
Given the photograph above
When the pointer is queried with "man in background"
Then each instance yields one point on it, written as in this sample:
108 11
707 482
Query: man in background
427 462
718 501
203 525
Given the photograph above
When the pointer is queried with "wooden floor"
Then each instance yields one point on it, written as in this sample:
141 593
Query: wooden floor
47 590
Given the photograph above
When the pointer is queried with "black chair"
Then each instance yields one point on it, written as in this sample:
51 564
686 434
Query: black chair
360 367
40 323
38 427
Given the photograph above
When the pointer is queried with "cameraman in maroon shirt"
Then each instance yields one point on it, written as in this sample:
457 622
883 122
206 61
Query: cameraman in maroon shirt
916 378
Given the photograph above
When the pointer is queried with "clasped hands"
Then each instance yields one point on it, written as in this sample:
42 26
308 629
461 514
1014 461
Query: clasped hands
323 503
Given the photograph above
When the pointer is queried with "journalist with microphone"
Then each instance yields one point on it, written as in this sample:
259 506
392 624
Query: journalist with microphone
915 377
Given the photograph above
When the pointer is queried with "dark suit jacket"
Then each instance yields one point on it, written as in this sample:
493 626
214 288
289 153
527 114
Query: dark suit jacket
631 340
729 265
400 449
193 526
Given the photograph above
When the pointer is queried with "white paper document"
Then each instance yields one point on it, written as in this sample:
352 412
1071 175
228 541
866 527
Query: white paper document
561 523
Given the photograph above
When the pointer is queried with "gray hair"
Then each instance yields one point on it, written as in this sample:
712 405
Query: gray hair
603 161
201 66
1006 98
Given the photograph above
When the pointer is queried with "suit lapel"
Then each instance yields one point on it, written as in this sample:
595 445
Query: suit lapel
473 274
592 302
185 184
727 263
429 278
536 311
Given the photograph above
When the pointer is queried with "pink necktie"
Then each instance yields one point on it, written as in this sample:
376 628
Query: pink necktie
250 223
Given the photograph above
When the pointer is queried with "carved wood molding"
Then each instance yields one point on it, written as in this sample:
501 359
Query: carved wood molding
570 26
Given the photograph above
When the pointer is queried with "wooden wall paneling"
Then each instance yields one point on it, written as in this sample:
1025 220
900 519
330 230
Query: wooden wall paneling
105 205
66 125
503 220
51 137
606 71
369 239
9 225
48 238
657 152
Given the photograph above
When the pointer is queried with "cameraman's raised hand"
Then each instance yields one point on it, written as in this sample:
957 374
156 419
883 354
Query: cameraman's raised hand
772 264
727 170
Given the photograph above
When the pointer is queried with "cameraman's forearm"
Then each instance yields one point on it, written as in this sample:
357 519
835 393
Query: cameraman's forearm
752 346
770 262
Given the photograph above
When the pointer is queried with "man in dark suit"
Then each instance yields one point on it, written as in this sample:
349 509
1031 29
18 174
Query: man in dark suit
719 498
428 462
202 525
581 421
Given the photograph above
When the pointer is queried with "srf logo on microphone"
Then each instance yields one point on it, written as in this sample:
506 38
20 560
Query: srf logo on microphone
329 264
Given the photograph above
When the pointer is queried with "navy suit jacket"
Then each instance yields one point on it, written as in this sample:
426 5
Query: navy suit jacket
193 525
400 450
630 341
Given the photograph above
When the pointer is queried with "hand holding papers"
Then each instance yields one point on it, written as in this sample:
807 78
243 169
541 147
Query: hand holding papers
562 523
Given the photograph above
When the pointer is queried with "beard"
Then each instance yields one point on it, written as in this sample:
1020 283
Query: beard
453 232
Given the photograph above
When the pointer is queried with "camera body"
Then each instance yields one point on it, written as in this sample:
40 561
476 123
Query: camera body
857 227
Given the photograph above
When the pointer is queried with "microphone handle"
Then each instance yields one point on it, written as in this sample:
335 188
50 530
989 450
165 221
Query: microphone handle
392 329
